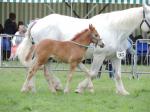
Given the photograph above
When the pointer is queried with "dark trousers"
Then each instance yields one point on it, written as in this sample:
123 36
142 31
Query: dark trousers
6 55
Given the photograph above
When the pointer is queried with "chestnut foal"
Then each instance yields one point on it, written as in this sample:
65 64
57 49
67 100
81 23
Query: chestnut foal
70 52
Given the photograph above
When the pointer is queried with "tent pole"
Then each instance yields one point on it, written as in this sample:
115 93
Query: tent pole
90 11
71 9
49 7
104 8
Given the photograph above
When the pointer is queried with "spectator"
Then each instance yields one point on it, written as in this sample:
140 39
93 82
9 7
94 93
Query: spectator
20 23
109 68
1 29
17 39
10 27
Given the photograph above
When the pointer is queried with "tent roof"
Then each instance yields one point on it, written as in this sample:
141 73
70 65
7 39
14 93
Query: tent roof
80 1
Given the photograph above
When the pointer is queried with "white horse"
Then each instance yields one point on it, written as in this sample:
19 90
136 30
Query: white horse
114 28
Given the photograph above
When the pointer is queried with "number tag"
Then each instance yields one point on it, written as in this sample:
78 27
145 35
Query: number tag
121 54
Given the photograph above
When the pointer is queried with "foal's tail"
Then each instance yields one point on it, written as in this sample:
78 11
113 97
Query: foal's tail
25 47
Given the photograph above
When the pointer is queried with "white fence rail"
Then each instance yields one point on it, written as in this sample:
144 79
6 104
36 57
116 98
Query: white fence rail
135 63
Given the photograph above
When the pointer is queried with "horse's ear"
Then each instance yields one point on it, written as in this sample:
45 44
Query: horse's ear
91 27
145 7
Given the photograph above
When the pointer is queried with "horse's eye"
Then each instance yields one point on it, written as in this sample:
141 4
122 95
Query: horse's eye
96 35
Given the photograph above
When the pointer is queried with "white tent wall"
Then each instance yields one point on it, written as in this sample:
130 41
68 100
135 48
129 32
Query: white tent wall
110 7
28 11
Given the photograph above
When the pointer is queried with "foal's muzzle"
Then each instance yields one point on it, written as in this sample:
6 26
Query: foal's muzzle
100 43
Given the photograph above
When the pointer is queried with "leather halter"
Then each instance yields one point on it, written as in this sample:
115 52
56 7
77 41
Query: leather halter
144 20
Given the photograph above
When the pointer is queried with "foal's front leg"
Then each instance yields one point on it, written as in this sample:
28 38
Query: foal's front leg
69 77
97 62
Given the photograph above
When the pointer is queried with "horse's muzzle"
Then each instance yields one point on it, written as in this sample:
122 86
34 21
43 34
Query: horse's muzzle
102 45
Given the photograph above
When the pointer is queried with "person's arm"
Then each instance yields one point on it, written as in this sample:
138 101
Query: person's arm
14 39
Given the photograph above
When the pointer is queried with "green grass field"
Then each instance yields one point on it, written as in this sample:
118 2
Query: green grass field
103 100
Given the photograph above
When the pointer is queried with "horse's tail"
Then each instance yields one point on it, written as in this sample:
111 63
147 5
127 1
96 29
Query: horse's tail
30 53
25 48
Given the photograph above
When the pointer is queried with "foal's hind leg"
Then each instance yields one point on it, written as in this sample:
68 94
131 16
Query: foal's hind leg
31 82
26 87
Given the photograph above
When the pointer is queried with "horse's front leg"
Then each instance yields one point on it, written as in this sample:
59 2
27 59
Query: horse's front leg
69 77
119 84
88 83
97 62
52 79
49 79
26 86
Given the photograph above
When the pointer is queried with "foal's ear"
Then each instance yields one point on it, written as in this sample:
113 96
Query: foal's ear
91 27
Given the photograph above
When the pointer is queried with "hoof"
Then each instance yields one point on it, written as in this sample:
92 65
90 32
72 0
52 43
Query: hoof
24 90
59 88
31 88
91 90
66 90
53 91
78 91
124 93
28 88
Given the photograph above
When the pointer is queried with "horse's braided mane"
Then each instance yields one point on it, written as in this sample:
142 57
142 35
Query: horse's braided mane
79 34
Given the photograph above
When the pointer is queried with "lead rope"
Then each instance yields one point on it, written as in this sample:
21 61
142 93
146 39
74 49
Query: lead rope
81 45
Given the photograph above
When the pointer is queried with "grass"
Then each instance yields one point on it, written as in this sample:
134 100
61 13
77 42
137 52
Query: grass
103 100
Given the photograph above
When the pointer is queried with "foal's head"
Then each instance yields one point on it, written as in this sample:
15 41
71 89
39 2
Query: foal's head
95 37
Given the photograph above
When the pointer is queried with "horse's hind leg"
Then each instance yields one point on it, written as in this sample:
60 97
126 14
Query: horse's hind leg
119 84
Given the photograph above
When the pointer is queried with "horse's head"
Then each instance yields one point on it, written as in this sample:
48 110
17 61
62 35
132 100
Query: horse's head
95 37
145 25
